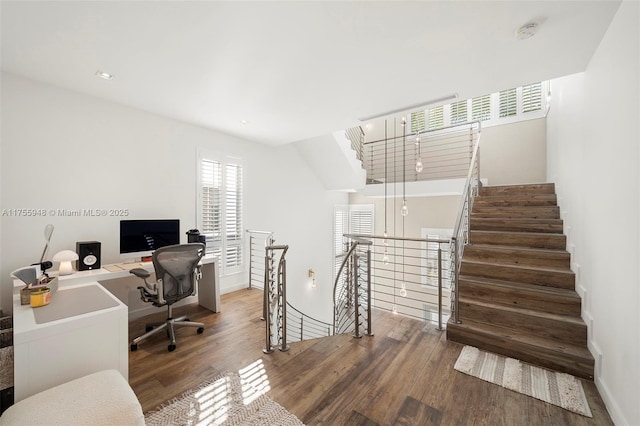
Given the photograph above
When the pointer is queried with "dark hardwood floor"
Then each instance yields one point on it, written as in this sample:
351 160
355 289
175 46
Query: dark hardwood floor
402 376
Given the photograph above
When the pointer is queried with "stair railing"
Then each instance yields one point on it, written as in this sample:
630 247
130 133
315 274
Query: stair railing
410 276
301 326
356 136
275 298
352 290
462 228
445 153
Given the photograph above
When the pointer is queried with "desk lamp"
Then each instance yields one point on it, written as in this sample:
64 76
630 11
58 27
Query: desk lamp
65 257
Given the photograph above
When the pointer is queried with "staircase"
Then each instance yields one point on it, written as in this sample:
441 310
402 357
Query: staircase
516 287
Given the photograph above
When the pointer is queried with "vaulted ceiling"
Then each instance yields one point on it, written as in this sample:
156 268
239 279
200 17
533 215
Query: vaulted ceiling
279 72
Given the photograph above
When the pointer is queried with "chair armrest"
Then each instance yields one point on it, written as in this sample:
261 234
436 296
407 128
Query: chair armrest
140 273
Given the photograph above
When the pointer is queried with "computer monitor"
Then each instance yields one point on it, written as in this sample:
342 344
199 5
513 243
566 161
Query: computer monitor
140 238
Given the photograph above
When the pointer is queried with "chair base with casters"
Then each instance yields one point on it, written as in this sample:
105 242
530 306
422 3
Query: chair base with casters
177 273
170 324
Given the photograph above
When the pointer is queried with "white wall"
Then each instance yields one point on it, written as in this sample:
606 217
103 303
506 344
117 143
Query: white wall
424 212
514 153
593 156
64 150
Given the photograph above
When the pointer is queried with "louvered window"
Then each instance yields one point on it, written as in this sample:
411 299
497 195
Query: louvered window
435 118
508 103
220 212
459 112
417 122
353 219
233 215
532 97
481 108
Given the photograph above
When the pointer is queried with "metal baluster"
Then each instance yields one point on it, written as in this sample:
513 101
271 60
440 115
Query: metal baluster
356 299
369 331
282 290
267 306
439 288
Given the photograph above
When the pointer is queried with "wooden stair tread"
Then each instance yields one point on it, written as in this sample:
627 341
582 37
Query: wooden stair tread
563 271
520 239
531 288
521 249
575 351
539 188
575 320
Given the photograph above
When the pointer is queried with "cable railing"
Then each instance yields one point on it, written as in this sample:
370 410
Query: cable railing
356 137
462 228
352 290
299 326
409 276
443 153
275 298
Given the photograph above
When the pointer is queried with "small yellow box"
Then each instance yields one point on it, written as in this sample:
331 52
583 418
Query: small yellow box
40 297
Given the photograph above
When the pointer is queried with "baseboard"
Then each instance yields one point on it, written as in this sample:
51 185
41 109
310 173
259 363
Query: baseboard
612 407
232 288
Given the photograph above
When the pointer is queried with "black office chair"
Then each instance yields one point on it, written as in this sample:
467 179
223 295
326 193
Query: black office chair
177 274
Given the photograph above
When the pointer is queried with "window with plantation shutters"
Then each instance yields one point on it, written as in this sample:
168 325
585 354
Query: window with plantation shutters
459 112
532 97
352 219
508 103
233 215
481 108
211 205
220 212
435 119
417 122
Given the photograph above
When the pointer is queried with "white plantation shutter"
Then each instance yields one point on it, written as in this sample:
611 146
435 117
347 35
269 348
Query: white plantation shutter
233 215
459 112
220 212
361 222
532 97
340 227
481 108
417 122
211 206
435 118
508 103
354 219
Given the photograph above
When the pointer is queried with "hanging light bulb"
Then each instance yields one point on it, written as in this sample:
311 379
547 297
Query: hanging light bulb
403 290
419 165
404 210
418 139
394 309
403 121
385 258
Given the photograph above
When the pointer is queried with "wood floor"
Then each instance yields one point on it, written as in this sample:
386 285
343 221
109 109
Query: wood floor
402 376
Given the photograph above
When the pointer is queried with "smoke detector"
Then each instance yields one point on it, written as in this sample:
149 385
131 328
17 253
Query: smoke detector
527 30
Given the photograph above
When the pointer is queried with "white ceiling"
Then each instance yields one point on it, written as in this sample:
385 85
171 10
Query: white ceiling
294 69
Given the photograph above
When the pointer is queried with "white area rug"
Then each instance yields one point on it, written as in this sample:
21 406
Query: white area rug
225 400
555 388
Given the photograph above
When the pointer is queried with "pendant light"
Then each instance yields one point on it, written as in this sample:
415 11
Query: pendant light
404 210
419 165
385 256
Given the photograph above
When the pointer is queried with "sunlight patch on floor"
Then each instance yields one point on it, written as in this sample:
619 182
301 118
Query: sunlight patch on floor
255 381
214 401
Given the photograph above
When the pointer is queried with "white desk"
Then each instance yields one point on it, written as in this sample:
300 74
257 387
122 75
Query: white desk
208 285
49 353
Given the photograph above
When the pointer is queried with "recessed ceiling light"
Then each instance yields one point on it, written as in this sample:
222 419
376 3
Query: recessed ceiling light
244 121
104 75
527 30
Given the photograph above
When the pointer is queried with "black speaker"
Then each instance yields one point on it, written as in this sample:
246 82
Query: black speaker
88 255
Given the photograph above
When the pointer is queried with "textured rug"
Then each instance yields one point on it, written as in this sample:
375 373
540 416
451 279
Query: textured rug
225 400
555 388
